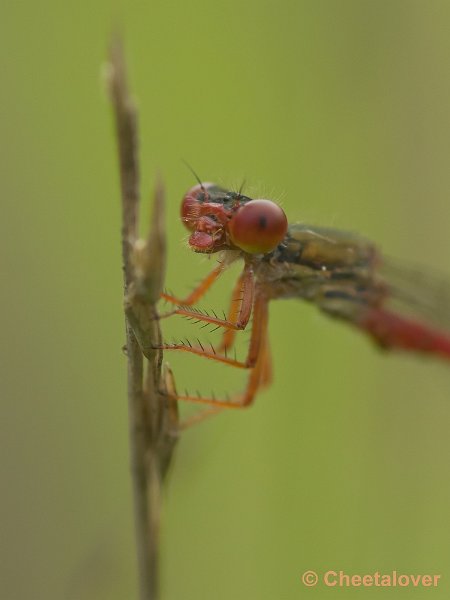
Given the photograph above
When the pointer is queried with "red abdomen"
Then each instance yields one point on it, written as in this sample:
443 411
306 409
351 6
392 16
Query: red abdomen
393 331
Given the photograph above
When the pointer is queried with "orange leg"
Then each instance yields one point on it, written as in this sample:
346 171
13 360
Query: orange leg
246 284
202 287
237 299
173 406
241 319
257 360
201 351
264 380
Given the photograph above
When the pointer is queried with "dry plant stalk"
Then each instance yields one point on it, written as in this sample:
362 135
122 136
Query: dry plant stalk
153 415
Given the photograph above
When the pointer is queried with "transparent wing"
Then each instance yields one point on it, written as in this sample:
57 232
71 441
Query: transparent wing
416 291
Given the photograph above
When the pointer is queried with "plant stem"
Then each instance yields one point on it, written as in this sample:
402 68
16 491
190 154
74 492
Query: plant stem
153 415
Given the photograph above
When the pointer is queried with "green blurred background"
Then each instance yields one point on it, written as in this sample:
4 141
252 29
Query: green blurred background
341 111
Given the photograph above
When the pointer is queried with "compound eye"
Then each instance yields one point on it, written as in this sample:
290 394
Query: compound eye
258 226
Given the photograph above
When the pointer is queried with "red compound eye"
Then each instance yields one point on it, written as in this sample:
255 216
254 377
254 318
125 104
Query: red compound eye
258 226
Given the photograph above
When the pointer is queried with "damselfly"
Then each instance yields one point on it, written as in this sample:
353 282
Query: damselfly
343 274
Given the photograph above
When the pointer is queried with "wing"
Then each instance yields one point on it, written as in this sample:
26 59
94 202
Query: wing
417 292
412 313
399 305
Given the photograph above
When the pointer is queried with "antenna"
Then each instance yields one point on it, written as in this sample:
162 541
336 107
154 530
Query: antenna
241 187
199 181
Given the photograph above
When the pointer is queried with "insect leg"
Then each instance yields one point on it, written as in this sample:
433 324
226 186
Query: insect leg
257 360
201 350
264 380
247 281
239 296
201 289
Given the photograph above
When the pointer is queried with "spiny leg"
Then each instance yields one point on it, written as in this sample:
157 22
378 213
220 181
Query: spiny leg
247 285
171 391
201 350
257 380
238 297
247 279
256 359
201 289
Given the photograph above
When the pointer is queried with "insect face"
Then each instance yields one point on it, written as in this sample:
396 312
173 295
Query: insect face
220 219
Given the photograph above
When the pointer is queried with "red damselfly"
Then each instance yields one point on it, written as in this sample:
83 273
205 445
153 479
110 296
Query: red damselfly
343 274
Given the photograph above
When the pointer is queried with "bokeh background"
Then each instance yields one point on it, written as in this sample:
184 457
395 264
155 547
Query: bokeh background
341 111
